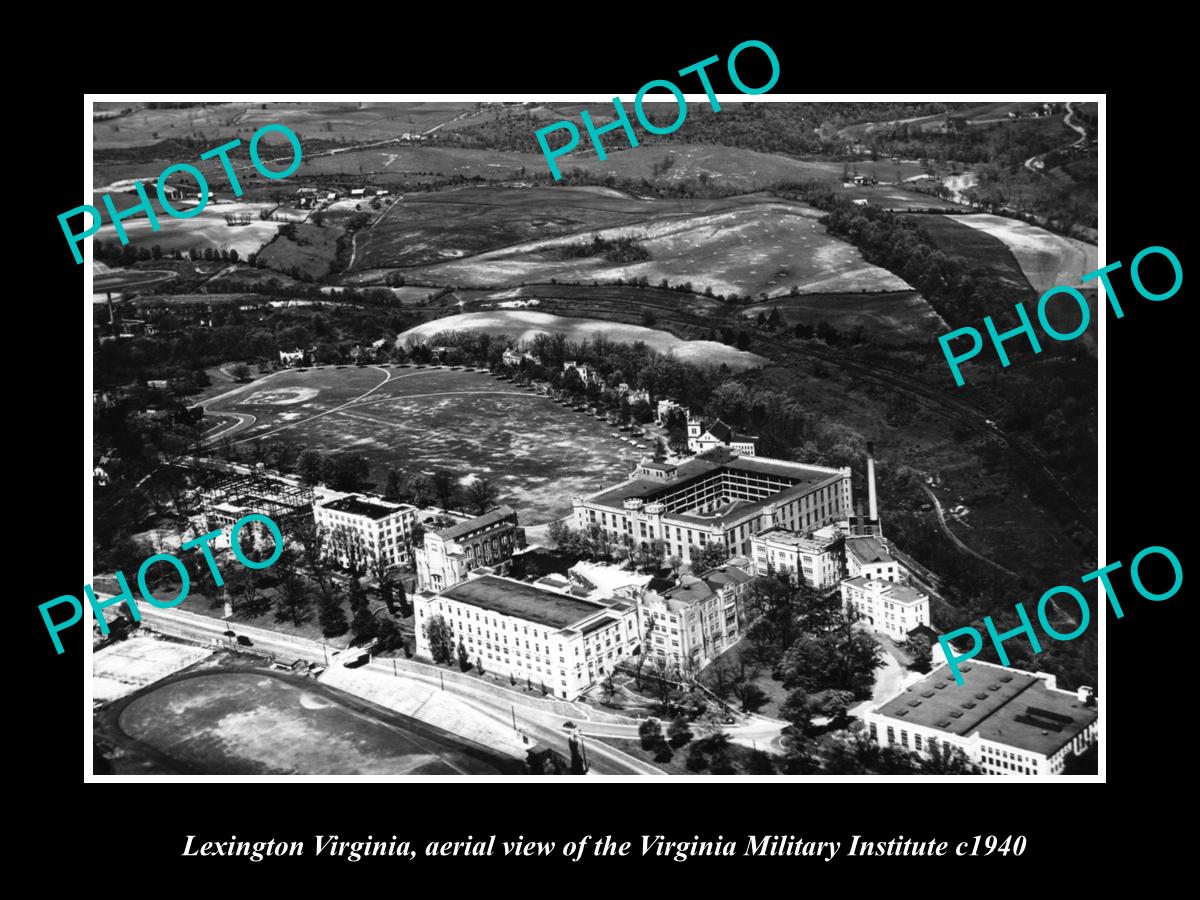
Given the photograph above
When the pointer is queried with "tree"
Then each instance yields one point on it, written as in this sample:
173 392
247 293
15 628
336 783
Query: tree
445 487
479 664
293 604
946 759
346 471
752 696
310 466
759 762
464 661
608 687
481 495
331 615
660 450
798 710
651 734
393 489
364 625
244 584
402 600
441 644
921 652
720 678
240 372
800 759
388 635
709 556
678 732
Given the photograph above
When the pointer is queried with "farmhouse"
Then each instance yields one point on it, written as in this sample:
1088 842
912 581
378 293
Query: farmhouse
362 527
1008 721
678 509
702 439
447 556
586 373
562 642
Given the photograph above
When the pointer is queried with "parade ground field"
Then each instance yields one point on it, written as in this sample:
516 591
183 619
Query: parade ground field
258 723
538 453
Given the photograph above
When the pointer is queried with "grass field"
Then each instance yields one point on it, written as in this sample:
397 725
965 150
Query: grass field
1046 259
208 229
523 325
538 453
746 248
976 247
896 198
255 723
224 121
311 251
889 317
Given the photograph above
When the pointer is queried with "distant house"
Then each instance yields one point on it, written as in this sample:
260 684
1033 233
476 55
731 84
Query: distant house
381 193
358 193
586 373
865 180
295 357
860 202
157 383
718 434
511 357
664 409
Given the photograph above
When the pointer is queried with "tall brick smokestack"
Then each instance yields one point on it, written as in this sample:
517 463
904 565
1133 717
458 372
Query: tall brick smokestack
872 506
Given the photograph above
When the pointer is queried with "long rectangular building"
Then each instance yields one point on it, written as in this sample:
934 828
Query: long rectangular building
1008 721
681 508
542 636
449 554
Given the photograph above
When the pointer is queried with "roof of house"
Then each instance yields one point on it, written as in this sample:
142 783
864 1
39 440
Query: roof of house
780 535
499 514
523 601
867 550
726 574
1006 706
720 431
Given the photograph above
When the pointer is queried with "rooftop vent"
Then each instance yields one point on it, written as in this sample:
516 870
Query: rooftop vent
940 686
956 714
1006 678
927 694
966 668
968 705
945 723
902 712
914 703
993 687
981 696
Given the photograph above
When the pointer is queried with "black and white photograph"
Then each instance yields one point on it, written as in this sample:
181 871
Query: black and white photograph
511 437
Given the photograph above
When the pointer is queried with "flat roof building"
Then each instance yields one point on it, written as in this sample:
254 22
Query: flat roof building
362 527
539 636
869 557
891 608
448 555
816 562
1008 721
680 508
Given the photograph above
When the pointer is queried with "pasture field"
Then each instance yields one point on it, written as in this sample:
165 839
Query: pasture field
767 247
311 252
1047 259
258 723
208 229
978 248
538 454
523 325
897 198
221 122
896 317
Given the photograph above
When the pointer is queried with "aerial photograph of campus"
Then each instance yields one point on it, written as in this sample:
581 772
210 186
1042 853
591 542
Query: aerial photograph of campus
653 469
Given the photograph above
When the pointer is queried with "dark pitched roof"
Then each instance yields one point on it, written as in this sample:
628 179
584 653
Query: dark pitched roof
470 526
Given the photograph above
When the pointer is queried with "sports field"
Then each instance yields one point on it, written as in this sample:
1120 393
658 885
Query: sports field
255 723
538 453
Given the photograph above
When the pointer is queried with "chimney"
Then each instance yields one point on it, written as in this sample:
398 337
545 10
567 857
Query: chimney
1086 695
874 508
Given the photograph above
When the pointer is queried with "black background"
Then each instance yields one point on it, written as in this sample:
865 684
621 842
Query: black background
1069 827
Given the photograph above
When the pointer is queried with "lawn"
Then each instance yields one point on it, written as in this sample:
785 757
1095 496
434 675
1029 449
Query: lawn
208 229
538 453
264 723
738 755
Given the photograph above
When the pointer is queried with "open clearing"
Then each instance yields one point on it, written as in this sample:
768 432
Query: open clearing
255 723
523 325
889 318
1047 259
765 247
127 666
538 454
208 229
975 247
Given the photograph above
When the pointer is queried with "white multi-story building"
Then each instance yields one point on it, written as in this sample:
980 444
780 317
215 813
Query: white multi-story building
448 556
892 608
693 622
360 525
1009 722
816 562
869 557
680 508
718 434
535 635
